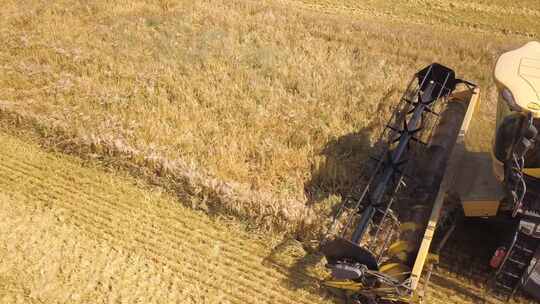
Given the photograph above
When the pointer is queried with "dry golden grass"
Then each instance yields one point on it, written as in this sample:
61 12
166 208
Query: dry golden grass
257 108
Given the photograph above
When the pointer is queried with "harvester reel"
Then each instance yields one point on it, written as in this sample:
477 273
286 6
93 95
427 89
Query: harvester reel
373 243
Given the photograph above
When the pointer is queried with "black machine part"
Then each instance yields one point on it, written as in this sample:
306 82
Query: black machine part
531 279
340 249
516 266
409 141
519 138
346 271
515 146
434 82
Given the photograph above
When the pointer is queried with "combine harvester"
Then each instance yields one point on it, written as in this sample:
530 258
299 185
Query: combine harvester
424 180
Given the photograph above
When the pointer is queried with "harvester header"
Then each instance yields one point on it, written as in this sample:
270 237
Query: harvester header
377 246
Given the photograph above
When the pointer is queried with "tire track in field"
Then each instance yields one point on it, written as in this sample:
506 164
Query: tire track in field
57 186
91 210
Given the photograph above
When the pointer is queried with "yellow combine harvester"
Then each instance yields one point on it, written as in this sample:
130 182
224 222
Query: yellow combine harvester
424 179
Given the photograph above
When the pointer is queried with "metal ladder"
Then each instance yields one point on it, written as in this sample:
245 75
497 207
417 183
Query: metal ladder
518 258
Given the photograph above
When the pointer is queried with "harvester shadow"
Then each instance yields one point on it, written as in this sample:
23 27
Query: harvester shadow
339 167
336 176
342 161
303 269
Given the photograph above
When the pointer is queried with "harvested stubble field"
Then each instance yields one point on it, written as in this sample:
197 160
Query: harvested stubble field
263 110
74 234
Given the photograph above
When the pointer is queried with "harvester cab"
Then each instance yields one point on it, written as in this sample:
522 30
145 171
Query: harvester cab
516 163
379 244
515 153
510 192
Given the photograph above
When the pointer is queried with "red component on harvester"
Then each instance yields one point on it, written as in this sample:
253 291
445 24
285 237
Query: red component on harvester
498 257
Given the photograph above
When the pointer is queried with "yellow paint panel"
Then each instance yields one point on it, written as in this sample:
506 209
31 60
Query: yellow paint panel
400 246
398 271
388 267
534 106
480 208
534 172
344 284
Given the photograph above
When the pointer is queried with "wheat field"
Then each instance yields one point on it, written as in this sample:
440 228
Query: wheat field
205 137
257 109
73 233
